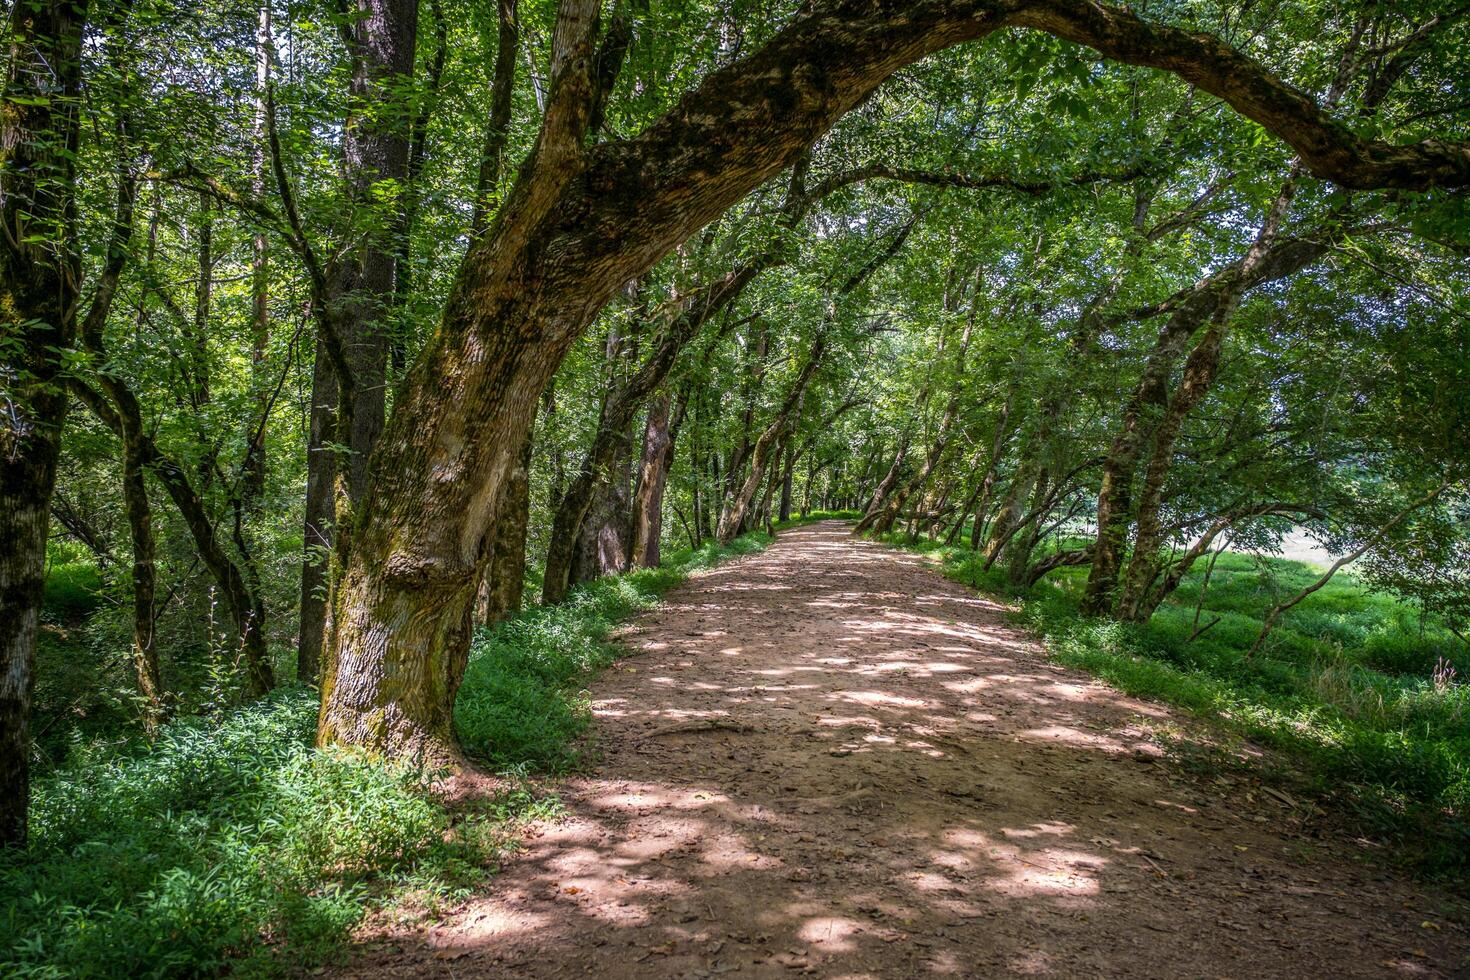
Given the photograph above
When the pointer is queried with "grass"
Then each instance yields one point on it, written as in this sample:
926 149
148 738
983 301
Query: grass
232 844
1365 699
229 842
523 699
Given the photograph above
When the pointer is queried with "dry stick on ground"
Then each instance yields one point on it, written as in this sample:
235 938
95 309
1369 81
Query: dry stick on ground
1352 556
694 728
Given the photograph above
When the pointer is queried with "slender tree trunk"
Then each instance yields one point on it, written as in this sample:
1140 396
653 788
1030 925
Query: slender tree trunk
612 441
253 477
787 473
1212 301
763 513
1023 541
885 487
733 519
978 502
1143 566
887 512
1008 518
321 477
503 583
660 435
145 586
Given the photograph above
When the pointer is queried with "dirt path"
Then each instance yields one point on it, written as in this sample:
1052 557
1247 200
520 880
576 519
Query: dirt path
827 759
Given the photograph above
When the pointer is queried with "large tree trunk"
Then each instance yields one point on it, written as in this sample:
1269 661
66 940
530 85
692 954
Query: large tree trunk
40 273
581 221
349 412
604 543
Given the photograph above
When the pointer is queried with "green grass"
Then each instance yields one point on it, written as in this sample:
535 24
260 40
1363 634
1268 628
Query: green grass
227 843
73 589
523 699
1367 702
231 844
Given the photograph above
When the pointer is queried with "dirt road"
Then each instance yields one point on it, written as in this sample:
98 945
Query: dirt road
826 759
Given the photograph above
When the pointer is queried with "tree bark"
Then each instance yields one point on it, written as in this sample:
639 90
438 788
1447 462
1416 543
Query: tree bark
603 542
321 477
885 486
660 435
679 324
145 585
787 472
348 410
503 584
1220 292
733 518
40 273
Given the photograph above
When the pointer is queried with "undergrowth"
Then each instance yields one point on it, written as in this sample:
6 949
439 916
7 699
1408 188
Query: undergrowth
1365 697
227 842
231 844
523 699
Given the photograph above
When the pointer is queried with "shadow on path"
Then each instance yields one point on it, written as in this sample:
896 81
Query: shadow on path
826 759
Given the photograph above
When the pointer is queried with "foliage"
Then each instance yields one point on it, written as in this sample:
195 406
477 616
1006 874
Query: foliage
229 843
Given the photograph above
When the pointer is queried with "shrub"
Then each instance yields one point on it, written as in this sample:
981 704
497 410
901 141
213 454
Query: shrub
229 842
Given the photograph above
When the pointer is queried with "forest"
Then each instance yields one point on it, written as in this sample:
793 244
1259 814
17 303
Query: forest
384 382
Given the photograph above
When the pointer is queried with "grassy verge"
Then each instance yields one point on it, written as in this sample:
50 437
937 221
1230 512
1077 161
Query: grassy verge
523 702
1361 695
231 844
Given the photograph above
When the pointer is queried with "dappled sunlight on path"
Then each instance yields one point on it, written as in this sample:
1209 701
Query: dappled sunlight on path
826 759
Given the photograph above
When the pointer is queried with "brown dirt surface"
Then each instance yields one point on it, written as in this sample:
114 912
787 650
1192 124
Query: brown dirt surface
826 759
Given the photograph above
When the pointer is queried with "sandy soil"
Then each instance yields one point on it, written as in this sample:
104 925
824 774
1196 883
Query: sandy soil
828 760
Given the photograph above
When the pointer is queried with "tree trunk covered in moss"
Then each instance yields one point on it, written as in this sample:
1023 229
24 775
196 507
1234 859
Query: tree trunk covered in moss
40 271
